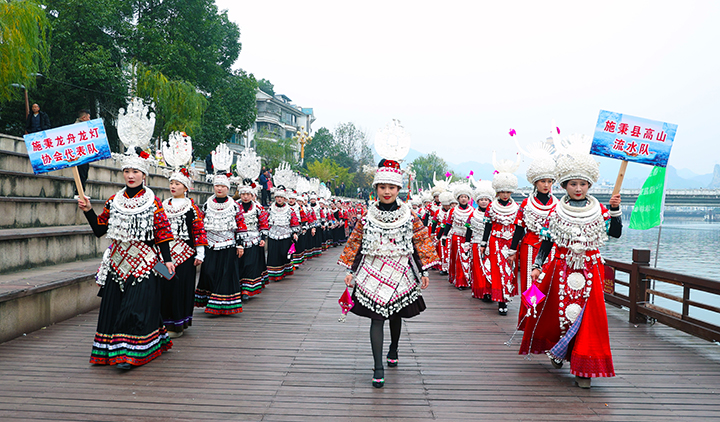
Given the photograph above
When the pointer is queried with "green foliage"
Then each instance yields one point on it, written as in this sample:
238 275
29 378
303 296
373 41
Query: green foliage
185 39
185 49
427 165
328 170
84 70
178 106
347 147
275 149
231 104
266 86
321 146
237 96
352 146
24 48
214 130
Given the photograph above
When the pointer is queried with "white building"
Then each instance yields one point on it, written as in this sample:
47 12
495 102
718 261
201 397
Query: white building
278 115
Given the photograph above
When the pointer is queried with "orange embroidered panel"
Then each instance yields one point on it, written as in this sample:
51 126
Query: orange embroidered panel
423 245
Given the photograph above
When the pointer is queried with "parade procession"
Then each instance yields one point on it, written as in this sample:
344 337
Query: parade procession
543 251
153 238
481 211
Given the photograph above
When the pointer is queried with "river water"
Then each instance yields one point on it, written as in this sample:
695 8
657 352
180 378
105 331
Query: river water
686 246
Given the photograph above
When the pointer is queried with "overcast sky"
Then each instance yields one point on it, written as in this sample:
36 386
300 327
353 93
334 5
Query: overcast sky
459 75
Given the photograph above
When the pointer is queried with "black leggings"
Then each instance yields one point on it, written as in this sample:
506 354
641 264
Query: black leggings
376 339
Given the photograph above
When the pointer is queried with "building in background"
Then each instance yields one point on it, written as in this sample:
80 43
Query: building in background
277 115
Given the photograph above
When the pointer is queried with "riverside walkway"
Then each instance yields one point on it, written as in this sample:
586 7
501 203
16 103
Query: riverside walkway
287 358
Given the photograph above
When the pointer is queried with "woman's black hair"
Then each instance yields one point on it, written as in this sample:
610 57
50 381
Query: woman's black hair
564 184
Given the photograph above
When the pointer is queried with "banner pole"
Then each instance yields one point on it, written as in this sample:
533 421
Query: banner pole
78 184
620 177
657 247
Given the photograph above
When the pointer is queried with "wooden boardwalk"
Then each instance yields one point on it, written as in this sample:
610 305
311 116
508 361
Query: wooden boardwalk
287 358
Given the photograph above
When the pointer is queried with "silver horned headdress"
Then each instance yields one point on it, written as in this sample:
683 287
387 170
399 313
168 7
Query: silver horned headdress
392 143
135 128
177 153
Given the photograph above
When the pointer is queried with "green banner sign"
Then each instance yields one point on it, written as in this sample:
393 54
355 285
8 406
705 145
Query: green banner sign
648 210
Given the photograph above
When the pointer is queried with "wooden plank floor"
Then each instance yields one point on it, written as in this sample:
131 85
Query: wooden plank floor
287 358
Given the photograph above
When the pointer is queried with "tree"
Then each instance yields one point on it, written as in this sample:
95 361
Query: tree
231 108
321 146
85 69
237 95
185 39
214 129
178 106
427 165
275 150
352 146
328 170
266 86
24 47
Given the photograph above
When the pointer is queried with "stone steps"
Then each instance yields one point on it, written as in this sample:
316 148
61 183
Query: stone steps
37 298
38 246
14 165
40 223
23 212
19 184
50 255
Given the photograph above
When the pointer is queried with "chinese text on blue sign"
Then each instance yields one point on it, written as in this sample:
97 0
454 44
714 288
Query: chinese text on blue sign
631 138
67 146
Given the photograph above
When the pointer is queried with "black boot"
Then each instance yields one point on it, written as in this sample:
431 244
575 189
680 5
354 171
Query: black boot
502 308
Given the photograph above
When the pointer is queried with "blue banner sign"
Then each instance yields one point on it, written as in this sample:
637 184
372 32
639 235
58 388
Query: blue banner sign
634 139
67 146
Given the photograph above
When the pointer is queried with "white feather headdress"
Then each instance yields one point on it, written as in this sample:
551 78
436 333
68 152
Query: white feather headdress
284 179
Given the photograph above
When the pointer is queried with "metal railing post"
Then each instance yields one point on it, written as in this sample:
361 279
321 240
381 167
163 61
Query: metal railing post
638 284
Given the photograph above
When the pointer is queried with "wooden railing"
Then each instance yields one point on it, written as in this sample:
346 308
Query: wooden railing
648 293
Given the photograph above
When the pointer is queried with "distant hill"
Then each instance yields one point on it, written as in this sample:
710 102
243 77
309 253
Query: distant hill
715 182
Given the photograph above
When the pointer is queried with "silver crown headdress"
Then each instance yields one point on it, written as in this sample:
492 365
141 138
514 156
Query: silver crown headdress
177 153
504 180
302 186
440 185
135 128
483 189
574 160
286 178
314 186
446 198
461 187
248 168
392 143
222 160
324 191
542 154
